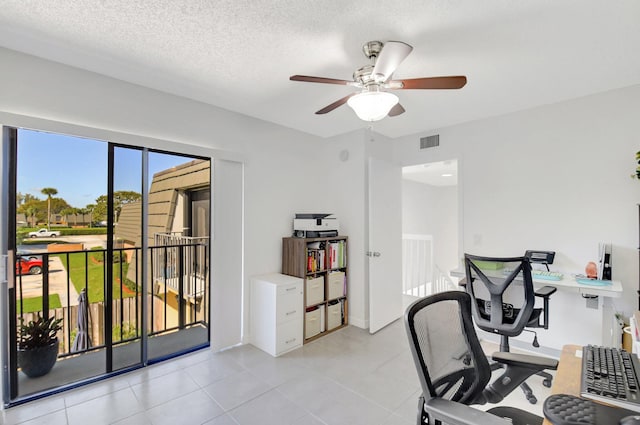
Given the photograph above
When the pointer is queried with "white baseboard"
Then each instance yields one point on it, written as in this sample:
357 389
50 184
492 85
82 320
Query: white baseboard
359 323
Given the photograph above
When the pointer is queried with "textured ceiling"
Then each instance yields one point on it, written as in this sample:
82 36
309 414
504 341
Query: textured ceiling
239 54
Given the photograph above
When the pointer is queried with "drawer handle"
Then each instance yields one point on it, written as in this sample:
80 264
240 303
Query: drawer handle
293 288
290 341
290 312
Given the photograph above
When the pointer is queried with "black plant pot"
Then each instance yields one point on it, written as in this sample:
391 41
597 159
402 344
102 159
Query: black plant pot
38 361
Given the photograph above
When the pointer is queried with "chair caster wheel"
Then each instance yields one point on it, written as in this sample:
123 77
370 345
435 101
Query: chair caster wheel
532 399
547 383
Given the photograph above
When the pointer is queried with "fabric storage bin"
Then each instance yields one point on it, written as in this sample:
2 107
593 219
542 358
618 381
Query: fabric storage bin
314 290
335 285
312 323
334 315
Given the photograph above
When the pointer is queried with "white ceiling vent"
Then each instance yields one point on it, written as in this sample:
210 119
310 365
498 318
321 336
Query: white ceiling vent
429 141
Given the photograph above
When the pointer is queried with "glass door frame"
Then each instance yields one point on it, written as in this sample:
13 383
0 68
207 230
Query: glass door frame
8 244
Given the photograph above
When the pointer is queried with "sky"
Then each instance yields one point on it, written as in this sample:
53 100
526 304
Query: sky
77 167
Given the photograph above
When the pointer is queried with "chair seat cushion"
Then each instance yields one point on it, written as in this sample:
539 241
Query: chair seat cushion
534 320
509 313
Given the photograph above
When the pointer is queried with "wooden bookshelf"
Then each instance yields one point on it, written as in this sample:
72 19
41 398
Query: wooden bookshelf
322 263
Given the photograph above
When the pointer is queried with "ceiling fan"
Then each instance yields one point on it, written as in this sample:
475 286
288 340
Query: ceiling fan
373 102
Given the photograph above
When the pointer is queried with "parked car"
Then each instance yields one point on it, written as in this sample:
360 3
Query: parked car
44 233
25 266
28 255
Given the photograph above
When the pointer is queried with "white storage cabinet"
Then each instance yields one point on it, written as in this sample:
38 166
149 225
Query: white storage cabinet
277 310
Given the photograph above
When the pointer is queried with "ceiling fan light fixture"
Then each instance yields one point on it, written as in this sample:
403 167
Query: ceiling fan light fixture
372 106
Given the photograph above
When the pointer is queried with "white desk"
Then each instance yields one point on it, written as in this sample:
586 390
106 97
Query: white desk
567 283
574 311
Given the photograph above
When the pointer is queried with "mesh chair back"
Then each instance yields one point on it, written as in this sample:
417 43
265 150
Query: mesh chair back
491 311
445 348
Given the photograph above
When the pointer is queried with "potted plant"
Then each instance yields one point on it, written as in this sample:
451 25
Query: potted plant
38 346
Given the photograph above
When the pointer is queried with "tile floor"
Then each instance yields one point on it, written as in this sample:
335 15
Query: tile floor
346 378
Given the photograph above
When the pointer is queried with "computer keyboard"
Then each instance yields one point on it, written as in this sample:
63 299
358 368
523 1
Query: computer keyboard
610 375
546 275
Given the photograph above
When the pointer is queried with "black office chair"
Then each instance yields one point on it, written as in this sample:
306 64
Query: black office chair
493 314
454 371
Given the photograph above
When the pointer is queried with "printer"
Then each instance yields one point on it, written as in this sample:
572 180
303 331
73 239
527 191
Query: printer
306 225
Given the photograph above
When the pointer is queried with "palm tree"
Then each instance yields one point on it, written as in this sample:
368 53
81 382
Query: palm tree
76 211
89 209
49 191
82 211
31 213
70 211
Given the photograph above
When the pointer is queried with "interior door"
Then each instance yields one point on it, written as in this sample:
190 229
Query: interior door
385 243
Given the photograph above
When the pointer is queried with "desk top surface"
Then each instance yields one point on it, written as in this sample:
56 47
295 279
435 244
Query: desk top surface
567 378
567 283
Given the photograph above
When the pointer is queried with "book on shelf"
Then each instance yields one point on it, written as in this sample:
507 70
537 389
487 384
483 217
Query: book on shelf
315 258
337 255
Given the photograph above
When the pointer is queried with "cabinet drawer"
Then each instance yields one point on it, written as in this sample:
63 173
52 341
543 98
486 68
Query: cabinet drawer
315 290
336 285
289 336
312 325
334 315
289 305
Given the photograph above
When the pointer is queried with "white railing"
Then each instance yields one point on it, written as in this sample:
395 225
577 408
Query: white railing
173 253
420 276
417 260
442 281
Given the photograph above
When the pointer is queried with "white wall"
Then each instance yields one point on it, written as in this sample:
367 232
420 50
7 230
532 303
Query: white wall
554 177
433 210
346 180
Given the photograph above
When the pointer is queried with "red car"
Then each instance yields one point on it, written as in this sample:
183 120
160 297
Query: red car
27 266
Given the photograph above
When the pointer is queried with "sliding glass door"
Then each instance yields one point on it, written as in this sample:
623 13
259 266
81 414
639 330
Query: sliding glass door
178 246
124 255
112 243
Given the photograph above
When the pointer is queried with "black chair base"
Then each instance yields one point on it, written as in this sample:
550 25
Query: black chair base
526 389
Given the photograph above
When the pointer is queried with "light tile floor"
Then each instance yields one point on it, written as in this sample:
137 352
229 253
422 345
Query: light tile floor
346 378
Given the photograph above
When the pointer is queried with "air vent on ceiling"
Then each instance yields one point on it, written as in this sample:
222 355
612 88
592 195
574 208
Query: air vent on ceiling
429 141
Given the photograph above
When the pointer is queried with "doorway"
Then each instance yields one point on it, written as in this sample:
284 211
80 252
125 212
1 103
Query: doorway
430 228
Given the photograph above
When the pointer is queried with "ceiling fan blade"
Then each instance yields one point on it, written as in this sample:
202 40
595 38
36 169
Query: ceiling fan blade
393 52
309 79
335 104
453 82
396 110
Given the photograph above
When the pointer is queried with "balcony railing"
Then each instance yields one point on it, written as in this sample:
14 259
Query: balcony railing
182 271
177 295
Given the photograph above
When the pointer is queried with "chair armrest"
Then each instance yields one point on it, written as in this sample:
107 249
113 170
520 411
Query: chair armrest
453 413
545 291
525 360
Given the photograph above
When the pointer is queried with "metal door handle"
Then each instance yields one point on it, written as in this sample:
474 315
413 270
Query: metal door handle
373 254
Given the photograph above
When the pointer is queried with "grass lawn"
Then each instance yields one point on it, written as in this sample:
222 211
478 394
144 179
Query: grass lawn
94 267
31 305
